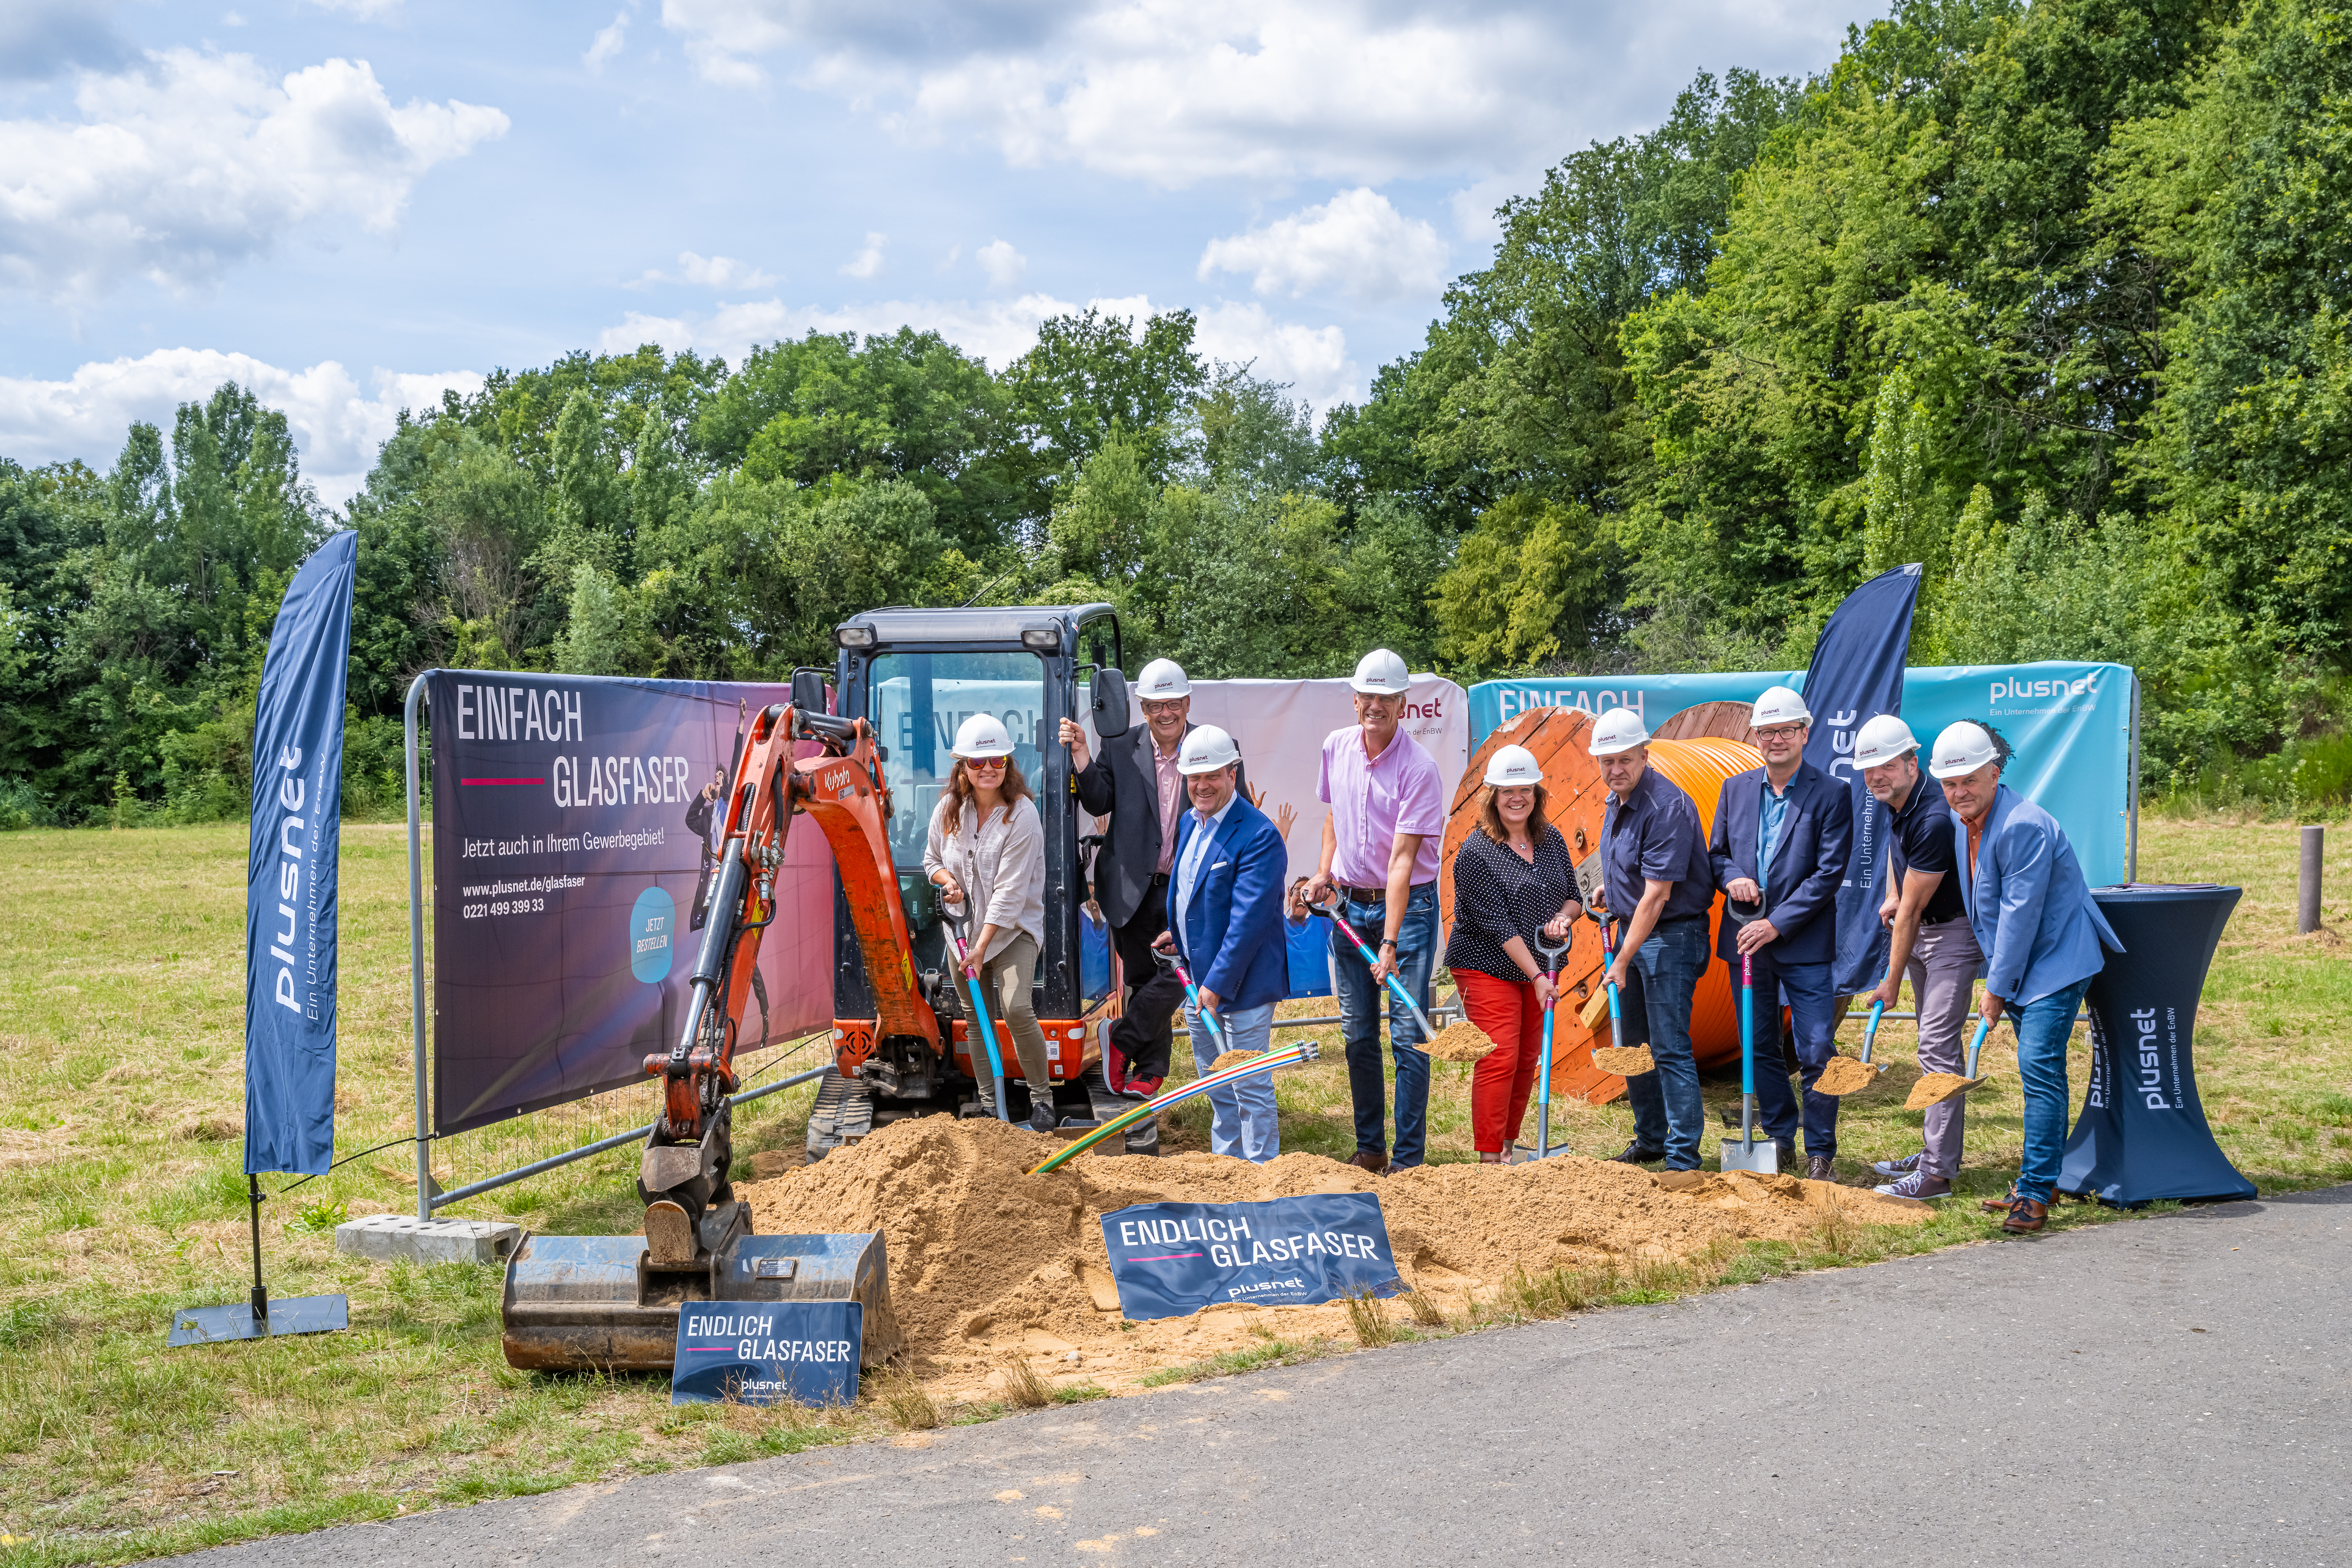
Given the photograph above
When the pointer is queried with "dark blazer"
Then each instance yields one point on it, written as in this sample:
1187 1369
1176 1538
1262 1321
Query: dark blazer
1807 863
1120 783
1235 929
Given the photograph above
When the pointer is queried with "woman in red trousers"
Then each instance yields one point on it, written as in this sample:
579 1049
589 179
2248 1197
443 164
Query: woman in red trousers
1513 882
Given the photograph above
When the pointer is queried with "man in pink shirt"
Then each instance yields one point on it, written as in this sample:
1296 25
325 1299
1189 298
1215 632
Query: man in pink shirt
1380 857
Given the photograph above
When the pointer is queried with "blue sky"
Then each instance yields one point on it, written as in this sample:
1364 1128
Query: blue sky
350 203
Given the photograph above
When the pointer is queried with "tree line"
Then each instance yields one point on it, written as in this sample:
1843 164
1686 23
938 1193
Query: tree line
2042 298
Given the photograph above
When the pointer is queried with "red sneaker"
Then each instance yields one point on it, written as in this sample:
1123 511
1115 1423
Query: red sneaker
1114 1068
1143 1088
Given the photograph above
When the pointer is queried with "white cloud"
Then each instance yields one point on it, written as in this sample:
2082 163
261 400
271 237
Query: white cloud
607 43
1176 91
199 161
336 426
1356 242
1002 264
867 262
711 272
1312 359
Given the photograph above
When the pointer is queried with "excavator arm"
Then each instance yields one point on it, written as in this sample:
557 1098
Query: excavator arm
690 1210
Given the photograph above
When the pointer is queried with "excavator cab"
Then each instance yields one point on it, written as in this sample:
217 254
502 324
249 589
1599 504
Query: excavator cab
915 675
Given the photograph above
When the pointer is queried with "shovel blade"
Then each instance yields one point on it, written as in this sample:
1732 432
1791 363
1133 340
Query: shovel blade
1845 1075
1759 1158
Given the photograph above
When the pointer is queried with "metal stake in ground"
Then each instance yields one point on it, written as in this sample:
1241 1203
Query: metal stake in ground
1764 1159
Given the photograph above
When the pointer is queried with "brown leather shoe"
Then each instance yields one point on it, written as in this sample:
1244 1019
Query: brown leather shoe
1820 1167
2002 1204
1373 1160
2025 1216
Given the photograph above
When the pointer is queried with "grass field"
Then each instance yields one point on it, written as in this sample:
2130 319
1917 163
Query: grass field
121 1191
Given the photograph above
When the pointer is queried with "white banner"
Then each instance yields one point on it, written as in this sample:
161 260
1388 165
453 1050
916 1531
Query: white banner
1280 727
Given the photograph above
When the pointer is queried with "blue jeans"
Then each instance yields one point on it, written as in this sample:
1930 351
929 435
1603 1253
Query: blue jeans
2041 1030
1359 1021
1813 1012
1241 1116
1667 1110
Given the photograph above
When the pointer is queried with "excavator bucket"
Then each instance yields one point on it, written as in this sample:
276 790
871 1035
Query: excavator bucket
583 1303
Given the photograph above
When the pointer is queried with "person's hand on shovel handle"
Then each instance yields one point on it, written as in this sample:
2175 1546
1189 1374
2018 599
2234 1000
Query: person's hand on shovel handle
1990 1009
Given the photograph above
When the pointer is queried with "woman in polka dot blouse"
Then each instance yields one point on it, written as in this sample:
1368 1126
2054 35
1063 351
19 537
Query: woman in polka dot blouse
1513 882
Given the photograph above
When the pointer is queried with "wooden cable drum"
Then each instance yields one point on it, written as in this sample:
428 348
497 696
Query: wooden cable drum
1699 763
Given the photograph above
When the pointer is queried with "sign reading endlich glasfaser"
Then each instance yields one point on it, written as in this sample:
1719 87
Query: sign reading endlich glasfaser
767 1353
1173 1258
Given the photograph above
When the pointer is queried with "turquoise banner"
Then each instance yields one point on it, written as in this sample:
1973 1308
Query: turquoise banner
2070 723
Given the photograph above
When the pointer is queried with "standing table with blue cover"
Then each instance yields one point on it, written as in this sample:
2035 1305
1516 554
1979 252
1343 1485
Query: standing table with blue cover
2142 1136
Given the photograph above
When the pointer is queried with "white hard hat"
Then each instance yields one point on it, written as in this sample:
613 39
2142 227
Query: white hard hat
1619 729
1381 674
1206 750
1778 704
982 736
1162 679
1963 748
1882 740
1512 767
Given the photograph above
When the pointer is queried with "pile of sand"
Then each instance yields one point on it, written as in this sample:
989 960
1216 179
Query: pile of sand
987 1260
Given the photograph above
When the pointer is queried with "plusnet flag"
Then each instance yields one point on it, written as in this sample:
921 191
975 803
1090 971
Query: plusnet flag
289 901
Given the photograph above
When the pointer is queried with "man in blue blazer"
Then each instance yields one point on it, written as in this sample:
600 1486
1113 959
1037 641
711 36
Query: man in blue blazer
1224 923
2030 909
1783 835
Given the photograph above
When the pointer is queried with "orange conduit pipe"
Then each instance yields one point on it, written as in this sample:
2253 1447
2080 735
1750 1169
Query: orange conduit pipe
1557 737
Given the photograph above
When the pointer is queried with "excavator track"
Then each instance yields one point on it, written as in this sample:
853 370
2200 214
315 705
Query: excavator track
844 1113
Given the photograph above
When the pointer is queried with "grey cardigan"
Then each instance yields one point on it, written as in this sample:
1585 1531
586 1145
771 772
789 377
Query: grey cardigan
1000 864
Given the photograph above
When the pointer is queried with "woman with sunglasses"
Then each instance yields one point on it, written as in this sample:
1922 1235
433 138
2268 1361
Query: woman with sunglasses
986 841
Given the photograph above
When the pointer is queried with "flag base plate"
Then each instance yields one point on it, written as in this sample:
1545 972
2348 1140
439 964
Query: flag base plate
287 1314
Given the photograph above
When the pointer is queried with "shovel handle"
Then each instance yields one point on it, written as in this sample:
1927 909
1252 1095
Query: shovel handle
1984 1027
1330 912
1870 1029
1193 994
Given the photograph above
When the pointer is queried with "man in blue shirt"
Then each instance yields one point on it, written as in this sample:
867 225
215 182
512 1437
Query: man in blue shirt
1659 887
1784 833
2030 908
1226 921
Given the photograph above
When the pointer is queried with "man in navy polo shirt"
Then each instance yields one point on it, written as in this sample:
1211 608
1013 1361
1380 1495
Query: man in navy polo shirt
1659 887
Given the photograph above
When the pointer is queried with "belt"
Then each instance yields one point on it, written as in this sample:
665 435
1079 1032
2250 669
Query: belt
1371 894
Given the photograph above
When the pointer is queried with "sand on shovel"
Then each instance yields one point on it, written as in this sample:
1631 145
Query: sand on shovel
1935 1088
1624 1061
1846 1076
986 1260
1233 1059
1464 1041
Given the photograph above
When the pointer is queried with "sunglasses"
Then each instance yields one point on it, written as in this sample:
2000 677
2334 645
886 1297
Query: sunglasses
984 764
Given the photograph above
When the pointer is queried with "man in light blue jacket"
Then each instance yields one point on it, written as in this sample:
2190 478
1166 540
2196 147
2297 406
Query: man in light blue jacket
2032 915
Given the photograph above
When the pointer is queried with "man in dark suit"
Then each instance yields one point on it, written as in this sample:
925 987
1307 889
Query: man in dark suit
1783 835
1225 924
1135 784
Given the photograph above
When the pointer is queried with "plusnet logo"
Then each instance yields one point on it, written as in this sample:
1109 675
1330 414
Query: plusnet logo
2011 687
2151 1062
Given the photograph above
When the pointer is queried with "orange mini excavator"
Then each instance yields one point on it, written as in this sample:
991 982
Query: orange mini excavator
904 681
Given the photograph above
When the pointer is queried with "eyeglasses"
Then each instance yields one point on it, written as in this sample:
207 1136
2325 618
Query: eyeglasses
984 764
1162 707
1781 732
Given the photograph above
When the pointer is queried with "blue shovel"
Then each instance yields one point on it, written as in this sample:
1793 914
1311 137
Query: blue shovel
979 1021
1551 956
1761 1159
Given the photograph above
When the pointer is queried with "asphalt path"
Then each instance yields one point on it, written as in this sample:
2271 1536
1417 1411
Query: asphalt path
2170 1390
